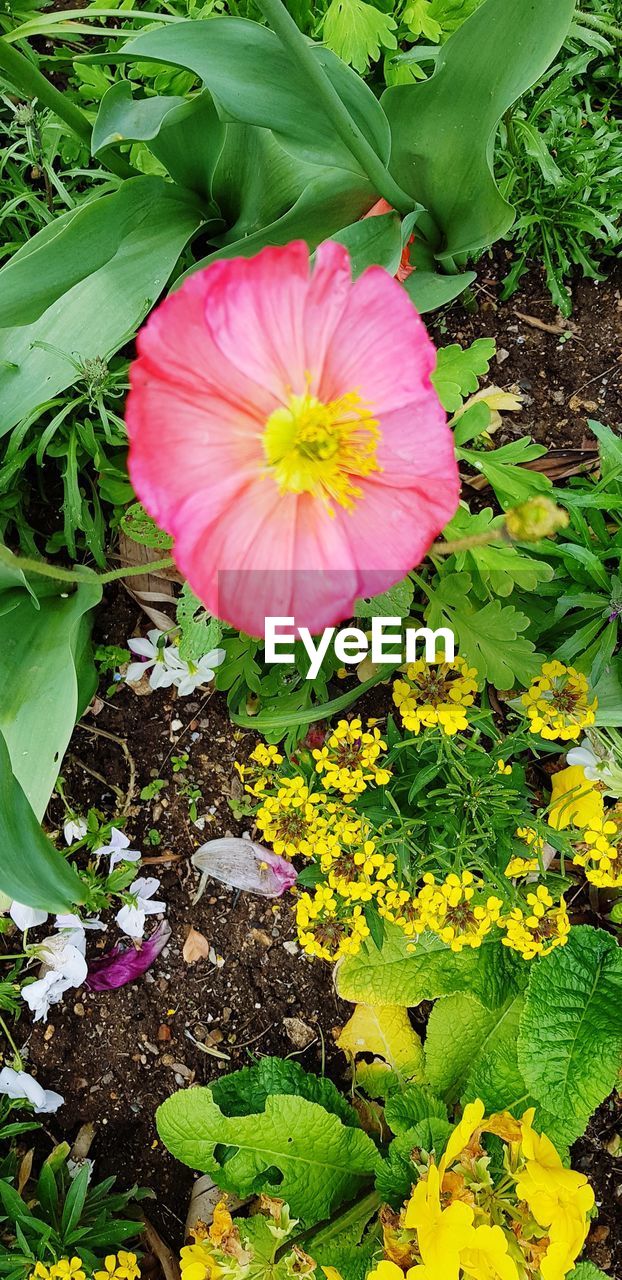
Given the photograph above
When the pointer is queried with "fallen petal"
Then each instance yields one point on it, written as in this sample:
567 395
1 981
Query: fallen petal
242 864
122 964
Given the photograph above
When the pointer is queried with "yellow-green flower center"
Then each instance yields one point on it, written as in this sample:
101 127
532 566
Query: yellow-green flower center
317 448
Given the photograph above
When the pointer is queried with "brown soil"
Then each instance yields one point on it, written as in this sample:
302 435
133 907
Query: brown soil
117 1055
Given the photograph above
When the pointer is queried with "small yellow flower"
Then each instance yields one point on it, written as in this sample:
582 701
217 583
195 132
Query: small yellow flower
503 767
441 1233
327 928
558 703
349 759
41 1272
197 1263
560 1199
436 694
68 1269
575 800
292 820
121 1266
539 929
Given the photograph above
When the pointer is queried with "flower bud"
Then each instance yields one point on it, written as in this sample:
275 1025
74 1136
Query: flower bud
538 518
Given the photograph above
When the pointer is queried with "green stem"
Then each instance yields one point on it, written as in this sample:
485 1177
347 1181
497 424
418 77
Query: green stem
29 80
76 576
302 53
465 544
12 1043
599 24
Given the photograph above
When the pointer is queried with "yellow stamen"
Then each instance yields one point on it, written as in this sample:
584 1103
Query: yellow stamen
317 448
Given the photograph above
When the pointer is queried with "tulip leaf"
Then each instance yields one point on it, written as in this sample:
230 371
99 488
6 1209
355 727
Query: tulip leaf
81 287
254 80
443 128
46 677
31 869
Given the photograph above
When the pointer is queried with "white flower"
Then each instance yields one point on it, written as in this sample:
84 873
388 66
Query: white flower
131 919
19 1085
26 917
74 829
62 966
72 929
118 849
190 675
157 659
598 764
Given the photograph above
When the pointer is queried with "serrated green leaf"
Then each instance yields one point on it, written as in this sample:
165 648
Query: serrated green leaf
587 1271
142 529
570 1039
199 631
399 975
459 369
395 602
357 32
499 565
488 638
412 1105
319 1162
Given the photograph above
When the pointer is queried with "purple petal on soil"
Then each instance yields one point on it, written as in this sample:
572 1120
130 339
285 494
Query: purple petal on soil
124 964
242 864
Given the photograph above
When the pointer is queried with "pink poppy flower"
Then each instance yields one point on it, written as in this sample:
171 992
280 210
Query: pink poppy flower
284 430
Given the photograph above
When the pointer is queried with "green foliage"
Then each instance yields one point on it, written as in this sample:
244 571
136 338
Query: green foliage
396 975
57 1215
570 1040
459 369
357 32
243 1093
291 1147
199 632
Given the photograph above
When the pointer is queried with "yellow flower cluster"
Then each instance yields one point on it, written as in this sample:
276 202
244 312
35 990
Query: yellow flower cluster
459 910
117 1266
349 759
518 866
213 1245
558 702
601 851
259 771
536 931
294 820
327 927
458 1226
436 694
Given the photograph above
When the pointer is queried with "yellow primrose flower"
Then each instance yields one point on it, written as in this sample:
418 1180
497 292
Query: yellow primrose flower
557 703
487 1257
560 1199
460 1137
349 759
438 694
197 1263
68 1269
441 1233
575 800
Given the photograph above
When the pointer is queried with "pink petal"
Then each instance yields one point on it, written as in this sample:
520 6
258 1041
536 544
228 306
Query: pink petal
122 964
242 864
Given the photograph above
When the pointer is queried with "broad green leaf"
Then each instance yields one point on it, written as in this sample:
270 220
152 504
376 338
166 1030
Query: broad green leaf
123 118
396 1173
254 80
430 289
244 1092
570 1040
459 369
443 128
397 975
384 1031
41 651
357 32
372 241
587 1271
83 285
320 1161
608 690
31 869
459 1031
498 565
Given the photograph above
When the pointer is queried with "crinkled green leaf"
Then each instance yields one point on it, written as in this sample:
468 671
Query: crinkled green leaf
396 1174
397 975
587 1271
459 1032
293 1149
357 32
411 1105
459 369
570 1039
244 1092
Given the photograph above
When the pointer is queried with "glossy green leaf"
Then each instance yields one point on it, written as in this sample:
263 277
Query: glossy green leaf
443 128
83 285
31 869
254 81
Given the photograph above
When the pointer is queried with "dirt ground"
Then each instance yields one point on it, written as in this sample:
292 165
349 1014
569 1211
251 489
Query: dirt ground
115 1056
